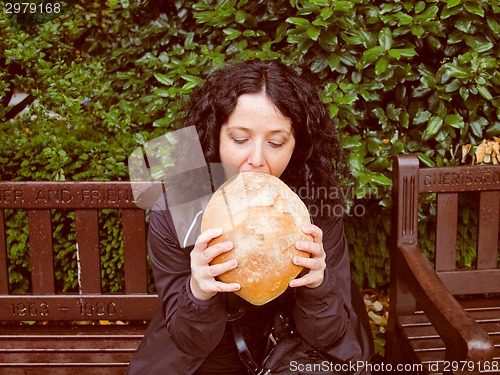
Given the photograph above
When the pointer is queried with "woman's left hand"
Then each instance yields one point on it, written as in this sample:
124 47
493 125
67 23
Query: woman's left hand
316 263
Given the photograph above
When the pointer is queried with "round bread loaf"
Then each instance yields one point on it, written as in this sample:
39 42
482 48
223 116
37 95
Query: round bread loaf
262 217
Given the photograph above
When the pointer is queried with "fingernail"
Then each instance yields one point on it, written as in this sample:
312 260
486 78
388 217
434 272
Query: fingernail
228 245
218 230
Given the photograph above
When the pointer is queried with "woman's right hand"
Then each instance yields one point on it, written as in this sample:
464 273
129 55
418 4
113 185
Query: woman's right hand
203 283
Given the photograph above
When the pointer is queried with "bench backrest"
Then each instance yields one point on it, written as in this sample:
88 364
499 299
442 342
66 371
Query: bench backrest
85 198
447 183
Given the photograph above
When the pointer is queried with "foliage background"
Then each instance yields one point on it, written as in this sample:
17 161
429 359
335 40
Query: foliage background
400 76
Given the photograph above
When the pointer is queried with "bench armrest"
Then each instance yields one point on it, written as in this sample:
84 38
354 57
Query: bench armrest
462 335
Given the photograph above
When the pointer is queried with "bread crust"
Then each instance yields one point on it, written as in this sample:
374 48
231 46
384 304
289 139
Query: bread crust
262 217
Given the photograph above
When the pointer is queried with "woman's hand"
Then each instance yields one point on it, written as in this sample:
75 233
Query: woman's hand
203 284
316 263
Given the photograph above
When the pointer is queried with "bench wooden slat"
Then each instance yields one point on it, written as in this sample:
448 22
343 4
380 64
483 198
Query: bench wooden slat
62 347
68 195
61 369
446 234
4 274
487 247
472 332
134 251
471 281
466 178
75 349
78 307
89 256
41 251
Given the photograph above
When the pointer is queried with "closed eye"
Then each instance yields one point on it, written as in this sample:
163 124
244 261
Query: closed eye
275 145
240 141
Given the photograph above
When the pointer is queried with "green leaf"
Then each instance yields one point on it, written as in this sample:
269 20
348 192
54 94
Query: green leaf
453 3
381 179
163 78
456 71
299 21
477 128
434 125
385 38
403 52
326 13
334 61
342 6
240 16
381 65
231 33
418 31
484 92
494 129
313 33
425 159
474 8
464 92
162 122
455 120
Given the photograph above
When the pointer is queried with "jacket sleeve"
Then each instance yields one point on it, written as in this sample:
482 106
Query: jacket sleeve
195 326
321 315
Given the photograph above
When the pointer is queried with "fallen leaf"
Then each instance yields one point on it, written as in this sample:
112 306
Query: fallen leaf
465 151
376 318
481 152
377 306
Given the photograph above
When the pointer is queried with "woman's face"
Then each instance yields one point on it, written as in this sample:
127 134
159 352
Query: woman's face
257 137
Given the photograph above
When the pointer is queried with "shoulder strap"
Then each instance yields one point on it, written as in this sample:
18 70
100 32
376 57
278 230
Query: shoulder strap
236 311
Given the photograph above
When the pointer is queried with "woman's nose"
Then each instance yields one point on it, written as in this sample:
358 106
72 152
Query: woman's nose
256 156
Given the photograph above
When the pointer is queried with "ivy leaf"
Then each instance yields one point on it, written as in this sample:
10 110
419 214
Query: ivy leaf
299 21
434 125
381 179
381 65
474 8
163 78
477 128
313 33
484 92
455 120
342 6
385 38
403 52
425 159
456 71
231 33
326 13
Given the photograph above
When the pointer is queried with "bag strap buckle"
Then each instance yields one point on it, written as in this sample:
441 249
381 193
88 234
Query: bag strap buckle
235 315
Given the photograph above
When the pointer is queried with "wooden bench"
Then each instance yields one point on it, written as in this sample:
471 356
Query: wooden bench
441 313
57 348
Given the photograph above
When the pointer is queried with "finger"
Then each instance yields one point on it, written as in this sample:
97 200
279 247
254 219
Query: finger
311 279
219 269
311 263
226 288
314 231
204 238
212 251
315 249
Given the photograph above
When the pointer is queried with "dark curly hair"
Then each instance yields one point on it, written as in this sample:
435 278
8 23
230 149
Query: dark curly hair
317 159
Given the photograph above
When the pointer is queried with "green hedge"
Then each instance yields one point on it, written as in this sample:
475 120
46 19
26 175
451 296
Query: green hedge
402 76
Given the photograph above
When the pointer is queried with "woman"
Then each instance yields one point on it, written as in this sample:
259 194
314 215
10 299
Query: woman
259 116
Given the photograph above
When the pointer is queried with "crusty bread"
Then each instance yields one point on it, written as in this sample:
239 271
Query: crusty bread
263 217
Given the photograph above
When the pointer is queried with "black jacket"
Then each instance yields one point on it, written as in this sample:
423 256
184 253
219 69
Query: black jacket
185 330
